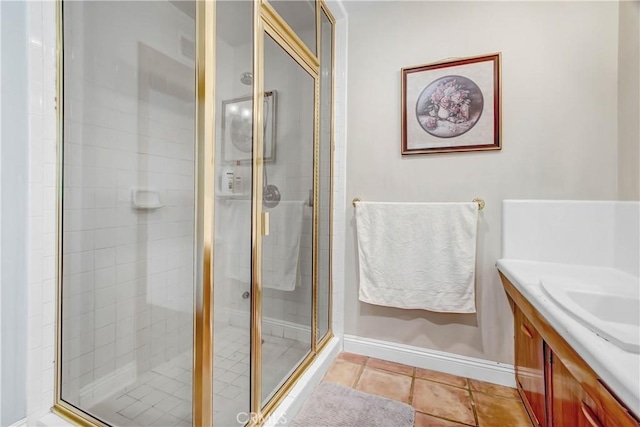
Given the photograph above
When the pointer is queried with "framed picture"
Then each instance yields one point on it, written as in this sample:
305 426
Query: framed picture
452 106
237 128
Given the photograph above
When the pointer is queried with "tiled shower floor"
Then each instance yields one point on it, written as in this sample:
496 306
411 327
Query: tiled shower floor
232 363
162 396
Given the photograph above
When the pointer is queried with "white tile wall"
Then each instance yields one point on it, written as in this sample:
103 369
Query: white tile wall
112 252
291 172
291 307
128 273
42 205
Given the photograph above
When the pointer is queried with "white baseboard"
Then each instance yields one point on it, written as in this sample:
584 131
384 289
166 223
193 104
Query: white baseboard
107 385
463 366
291 404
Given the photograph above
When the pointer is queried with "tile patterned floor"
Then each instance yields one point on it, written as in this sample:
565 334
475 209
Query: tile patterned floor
231 386
440 400
162 396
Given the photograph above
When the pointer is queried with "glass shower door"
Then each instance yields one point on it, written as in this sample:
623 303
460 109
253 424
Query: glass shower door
287 193
128 208
325 176
233 213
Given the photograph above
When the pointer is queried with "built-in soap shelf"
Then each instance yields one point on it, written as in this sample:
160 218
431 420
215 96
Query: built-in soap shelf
145 199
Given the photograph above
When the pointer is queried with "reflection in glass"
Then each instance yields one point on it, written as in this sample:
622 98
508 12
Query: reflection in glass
233 153
287 252
324 192
128 211
300 15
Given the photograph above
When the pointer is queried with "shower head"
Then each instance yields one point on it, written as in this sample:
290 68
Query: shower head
247 78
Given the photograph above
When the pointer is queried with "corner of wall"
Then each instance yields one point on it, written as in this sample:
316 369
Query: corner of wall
17 202
339 173
42 210
628 100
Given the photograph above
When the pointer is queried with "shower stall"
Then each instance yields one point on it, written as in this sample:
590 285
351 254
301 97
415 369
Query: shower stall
194 207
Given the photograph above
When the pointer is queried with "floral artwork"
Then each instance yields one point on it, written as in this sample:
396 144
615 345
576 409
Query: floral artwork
452 105
449 106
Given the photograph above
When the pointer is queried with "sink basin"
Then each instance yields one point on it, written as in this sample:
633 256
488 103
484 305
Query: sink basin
612 311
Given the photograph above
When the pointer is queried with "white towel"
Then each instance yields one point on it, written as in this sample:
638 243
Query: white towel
280 249
235 230
418 255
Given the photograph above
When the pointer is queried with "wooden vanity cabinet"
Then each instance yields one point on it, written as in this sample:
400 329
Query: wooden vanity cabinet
572 406
529 367
558 388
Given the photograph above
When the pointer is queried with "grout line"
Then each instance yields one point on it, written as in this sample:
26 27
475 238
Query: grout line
473 402
517 399
445 419
360 373
411 390
386 371
465 387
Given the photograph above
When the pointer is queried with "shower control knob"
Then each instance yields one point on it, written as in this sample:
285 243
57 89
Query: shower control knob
246 295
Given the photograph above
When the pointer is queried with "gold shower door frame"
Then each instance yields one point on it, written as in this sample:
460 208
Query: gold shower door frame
267 22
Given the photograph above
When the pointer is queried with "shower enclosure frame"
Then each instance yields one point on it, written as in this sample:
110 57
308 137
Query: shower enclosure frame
266 22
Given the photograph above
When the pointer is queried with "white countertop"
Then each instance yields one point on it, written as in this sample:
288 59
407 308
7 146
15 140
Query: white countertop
619 369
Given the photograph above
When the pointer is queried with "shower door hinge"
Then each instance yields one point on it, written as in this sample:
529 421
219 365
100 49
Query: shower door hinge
265 223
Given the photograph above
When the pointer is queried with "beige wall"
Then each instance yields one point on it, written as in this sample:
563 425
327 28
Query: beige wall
559 137
628 101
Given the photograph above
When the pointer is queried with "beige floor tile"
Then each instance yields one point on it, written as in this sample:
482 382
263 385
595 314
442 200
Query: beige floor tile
441 377
425 420
390 366
496 411
443 400
386 384
494 389
343 373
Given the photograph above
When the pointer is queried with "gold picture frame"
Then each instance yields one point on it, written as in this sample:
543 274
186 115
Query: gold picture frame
452 105
236 128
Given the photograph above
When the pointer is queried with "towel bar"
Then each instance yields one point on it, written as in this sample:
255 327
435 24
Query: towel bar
477 200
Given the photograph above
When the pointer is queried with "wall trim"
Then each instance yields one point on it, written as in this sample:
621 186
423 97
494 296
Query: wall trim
450 363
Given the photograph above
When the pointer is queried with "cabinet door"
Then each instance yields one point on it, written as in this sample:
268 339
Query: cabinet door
572 406
529 358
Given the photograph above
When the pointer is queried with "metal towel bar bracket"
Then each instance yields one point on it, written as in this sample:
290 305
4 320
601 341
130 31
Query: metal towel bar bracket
477 200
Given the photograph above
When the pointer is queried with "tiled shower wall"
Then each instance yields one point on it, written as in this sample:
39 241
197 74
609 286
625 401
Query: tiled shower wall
42 205
42 226
292 172
128 272
286 313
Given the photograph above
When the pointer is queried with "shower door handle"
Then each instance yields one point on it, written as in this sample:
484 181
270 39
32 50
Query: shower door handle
265 223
